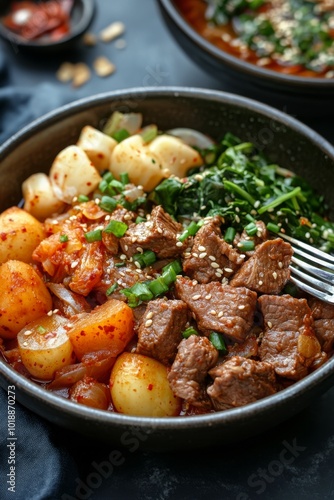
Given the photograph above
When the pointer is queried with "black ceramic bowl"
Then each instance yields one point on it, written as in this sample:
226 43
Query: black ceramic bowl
295 95
81 17
282 138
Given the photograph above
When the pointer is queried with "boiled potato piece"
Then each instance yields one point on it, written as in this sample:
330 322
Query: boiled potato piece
97 146
133 156
139 386
23 297
175 157
39 197
20 234
45 347
109 326
72 173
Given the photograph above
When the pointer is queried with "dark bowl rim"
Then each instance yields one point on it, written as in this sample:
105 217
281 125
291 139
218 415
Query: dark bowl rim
237 64
8 376
76 31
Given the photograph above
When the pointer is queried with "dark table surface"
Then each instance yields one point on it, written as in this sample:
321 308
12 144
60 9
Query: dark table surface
293 460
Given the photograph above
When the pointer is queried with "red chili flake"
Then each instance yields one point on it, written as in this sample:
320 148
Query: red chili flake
150 387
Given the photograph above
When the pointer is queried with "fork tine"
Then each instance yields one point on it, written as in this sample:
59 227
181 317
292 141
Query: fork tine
321 285
309 248
315 260
313 291
316 271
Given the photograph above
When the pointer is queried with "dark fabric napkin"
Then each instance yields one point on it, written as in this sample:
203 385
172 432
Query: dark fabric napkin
21 105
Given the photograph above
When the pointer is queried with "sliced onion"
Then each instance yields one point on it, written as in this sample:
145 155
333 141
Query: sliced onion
118 121
192 137
77 303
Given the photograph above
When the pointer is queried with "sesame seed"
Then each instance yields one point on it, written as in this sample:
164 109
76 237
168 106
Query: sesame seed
73 217
214 265
137 264
159 230
97 201
149 315
54 222
134 239
140 250
148 322
194 282
74 264
242 306
195 254
28 332
270 325
127 217
126 248
218 274
122 256
220 314
257 204
201 248
196 297
212 257
107 217
260 283
25 344
202 255
208 297
179 244
213 312
186 254
275 275
49 313
228 270
237 219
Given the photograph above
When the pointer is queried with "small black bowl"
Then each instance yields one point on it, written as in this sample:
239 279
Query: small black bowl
302 96
80 19
283 139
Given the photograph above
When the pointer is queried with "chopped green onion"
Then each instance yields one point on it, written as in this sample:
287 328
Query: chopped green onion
149 133
274 228
175 264
190 231
169 276
120 135
119 186
138 293
82 198
229 235
217 340
140 219
95 235
120 264
108 176
124 176
111 289
41 329
108 203
63 238
251 229
145 259
189 331
116 227
246 245
158 286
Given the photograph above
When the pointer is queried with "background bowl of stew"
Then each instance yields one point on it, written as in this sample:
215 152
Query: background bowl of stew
295 93
283 139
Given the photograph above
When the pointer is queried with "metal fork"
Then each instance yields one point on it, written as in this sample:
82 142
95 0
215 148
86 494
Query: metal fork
314 272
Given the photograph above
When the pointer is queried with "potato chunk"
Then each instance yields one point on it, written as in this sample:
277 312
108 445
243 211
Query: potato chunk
133 156
24 297
72 173
139 386
45 347
20 234
97 146
39 197
109 326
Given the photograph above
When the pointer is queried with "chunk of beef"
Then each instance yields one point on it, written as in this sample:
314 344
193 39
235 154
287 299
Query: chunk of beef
222 308
211 258
289 342
260 236
240 381
323 315
187 377
248 349
158 234
267 271
161 328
